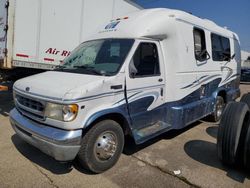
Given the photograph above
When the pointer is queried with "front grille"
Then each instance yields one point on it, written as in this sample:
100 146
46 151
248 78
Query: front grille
29 103
30 107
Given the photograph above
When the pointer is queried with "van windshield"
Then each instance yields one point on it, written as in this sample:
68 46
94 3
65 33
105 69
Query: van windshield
98 57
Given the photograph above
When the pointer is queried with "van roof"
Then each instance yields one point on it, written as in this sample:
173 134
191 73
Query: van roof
155 23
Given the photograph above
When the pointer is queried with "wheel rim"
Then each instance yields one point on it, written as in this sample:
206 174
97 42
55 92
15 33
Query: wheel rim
219 108
105 146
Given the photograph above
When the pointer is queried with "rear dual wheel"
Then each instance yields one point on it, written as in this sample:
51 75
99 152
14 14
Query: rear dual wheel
218 109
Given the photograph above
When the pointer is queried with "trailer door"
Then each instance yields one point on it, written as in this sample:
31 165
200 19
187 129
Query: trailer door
3 25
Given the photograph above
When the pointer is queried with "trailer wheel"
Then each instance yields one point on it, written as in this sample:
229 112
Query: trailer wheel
101 146
229 131
246 99
219 107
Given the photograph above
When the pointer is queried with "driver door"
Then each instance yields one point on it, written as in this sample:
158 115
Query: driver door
145 89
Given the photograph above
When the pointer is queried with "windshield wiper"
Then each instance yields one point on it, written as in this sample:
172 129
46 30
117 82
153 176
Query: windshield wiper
90 69
83 66
59 67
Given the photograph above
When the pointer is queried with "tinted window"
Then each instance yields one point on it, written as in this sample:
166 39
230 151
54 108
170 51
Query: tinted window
199 44
220 48
145 61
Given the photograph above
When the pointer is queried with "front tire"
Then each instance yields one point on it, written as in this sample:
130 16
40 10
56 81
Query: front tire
101 146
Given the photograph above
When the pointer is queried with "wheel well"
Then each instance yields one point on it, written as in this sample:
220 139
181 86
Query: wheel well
223 94
115 117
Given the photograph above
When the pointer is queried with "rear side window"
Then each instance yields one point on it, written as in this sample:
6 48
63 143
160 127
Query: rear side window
145 61
220 48
199 44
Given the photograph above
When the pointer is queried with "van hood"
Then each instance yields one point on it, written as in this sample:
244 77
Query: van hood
60 85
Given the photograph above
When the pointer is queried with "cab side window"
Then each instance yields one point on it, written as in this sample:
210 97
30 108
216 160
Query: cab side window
145 61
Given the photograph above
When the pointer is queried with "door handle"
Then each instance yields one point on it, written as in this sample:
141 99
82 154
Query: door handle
160 80
116 87
161 91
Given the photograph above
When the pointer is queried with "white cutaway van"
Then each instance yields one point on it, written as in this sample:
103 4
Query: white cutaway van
140 75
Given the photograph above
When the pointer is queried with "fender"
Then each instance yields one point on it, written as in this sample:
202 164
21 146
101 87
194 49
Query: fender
105 112
229 94
221 89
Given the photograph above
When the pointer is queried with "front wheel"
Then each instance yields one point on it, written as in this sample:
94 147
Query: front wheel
101 146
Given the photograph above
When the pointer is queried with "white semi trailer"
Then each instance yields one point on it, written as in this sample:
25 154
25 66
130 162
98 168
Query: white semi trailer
39 34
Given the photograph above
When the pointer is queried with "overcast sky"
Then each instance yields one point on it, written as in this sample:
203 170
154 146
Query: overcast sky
234 14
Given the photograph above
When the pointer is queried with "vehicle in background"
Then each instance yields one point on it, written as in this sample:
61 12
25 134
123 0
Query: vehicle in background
140 75
245 67
39 34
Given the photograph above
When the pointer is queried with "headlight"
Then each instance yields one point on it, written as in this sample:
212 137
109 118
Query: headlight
61 112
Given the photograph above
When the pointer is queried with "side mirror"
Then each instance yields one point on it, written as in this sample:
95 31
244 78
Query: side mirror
132 74
132 69
227 57
203 55
233 56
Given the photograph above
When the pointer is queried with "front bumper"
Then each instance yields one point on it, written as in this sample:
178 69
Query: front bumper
62 145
